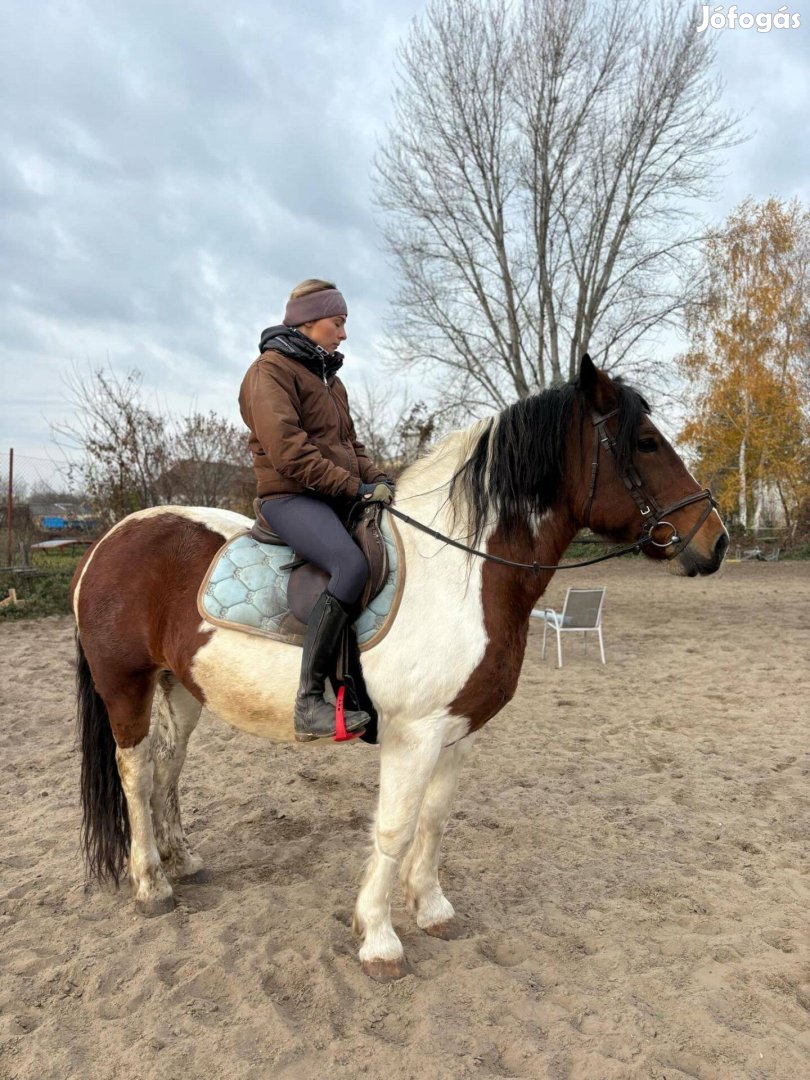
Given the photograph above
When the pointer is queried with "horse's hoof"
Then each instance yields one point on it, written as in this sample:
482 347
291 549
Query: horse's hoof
449 930
150 908
384 971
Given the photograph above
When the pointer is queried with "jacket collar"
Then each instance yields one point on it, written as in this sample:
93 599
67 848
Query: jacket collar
291 342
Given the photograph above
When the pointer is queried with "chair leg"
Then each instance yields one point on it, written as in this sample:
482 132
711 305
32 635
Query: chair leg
601 645
559 649
545 631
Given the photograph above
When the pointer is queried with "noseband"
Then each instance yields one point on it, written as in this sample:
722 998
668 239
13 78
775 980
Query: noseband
653 516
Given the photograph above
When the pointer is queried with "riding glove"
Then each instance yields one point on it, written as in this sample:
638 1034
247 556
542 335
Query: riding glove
382 491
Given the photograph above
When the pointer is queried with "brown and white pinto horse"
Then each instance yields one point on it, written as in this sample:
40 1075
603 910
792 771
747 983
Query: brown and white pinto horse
519 484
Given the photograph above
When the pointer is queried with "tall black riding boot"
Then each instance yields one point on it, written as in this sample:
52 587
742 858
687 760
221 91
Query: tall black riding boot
314 717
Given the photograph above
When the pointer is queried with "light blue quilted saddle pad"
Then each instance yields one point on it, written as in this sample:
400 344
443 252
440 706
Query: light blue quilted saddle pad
246 589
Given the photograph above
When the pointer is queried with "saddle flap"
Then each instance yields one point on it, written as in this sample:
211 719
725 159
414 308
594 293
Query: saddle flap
305 585
368 536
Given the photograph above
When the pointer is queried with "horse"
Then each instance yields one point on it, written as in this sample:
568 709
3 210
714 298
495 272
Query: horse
519 485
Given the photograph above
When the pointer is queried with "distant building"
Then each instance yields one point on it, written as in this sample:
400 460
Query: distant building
62 514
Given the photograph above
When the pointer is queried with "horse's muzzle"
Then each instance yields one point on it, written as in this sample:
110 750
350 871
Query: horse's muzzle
693 563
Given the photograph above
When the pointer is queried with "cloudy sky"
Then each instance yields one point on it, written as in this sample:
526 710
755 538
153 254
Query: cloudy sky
170 168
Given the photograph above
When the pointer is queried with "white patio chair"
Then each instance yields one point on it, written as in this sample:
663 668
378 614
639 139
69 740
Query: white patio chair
753 555
581 614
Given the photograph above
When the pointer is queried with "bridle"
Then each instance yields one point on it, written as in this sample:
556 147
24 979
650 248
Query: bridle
652 515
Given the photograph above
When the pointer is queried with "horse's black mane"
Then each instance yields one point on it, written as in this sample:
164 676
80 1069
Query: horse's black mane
518 462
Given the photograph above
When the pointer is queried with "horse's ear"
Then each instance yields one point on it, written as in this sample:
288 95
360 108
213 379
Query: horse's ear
595 385
587 376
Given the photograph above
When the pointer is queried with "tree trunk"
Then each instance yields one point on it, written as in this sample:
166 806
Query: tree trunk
759 505
743 498
785 510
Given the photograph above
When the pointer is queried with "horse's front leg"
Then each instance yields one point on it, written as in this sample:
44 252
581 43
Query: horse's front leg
408 756
420 868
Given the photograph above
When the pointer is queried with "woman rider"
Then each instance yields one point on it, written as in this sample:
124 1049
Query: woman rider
310 468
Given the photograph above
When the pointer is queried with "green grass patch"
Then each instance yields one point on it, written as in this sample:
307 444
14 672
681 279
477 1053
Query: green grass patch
578 552
64 562
800 552
44 593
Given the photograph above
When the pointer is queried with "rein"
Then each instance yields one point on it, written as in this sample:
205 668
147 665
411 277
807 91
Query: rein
652 514
536 567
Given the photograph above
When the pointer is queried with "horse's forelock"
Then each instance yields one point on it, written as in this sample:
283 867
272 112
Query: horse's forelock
632 407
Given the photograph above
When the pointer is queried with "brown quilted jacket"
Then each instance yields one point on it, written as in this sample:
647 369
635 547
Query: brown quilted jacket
302 435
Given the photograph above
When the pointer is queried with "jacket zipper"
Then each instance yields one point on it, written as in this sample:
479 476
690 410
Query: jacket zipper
329 392
337 413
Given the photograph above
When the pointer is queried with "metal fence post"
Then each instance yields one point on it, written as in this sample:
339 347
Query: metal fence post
10 506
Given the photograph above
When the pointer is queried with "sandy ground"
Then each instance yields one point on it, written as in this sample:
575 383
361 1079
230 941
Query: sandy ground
628 856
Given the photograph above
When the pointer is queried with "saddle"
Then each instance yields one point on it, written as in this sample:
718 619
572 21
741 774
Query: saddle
307 582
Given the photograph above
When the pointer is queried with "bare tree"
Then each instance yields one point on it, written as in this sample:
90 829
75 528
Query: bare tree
126 445
211 464
377 407
539 178
394 429
135 455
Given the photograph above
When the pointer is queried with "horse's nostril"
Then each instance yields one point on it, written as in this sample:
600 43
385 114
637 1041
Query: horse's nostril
721 546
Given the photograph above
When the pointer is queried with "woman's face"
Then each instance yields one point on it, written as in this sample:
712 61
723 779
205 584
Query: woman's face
328 333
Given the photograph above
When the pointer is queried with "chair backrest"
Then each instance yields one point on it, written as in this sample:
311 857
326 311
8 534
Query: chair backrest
583 608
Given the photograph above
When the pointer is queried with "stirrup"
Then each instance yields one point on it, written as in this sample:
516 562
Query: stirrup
336 729
341 734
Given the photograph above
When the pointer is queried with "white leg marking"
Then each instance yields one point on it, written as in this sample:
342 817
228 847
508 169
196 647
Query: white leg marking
408 755
420 868
178 712
135 767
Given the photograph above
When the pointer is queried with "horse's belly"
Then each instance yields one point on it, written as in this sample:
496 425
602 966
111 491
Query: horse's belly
249 681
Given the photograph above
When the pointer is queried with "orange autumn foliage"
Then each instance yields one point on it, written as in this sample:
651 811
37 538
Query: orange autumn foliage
747 366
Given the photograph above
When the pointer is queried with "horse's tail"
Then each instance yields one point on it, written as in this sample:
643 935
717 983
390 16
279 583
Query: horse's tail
105 824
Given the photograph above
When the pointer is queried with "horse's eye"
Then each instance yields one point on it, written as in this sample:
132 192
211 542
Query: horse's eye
647 446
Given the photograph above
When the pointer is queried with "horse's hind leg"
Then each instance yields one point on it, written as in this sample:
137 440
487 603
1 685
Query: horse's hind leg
420 867
177 714
130 710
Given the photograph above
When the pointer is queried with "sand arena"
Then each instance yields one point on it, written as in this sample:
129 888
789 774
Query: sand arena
628 855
